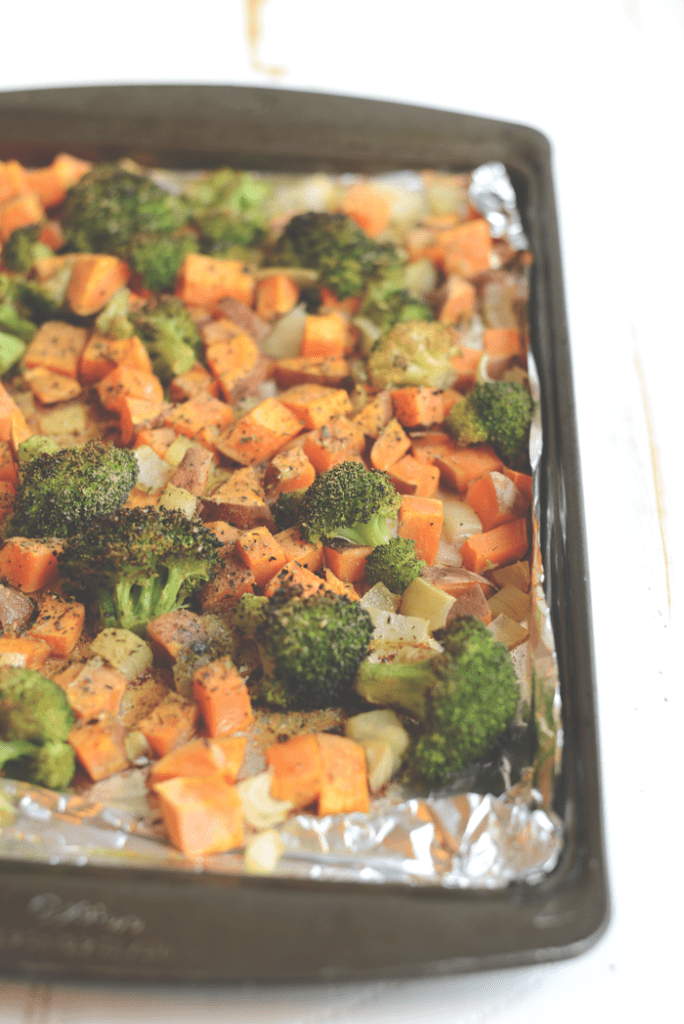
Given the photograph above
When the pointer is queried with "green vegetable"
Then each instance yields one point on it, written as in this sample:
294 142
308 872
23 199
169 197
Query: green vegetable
310 648
462 700
414 353
113 321
395 564
61 491
139 563
11 351
387 302
158 258
110 206
351 502
334 245
169 334
22 249
287 509
35 720
228 209
499 412
24 305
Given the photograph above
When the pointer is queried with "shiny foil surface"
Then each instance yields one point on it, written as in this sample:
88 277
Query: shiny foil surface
457 840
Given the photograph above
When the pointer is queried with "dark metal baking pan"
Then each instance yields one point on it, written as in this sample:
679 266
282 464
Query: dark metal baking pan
90 922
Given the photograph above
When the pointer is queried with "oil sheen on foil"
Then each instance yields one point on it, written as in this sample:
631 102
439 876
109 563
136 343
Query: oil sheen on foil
454 839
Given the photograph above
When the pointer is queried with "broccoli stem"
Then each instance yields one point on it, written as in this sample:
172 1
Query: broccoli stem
404 687
177 576
370 534
109 606
131 605
10 750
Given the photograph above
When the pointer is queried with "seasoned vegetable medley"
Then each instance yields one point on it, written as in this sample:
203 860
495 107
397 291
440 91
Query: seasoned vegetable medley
265 492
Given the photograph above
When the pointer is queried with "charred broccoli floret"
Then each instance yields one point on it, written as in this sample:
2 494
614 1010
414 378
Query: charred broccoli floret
462 700
334 245
23 248
35 720
395 564
61 491
310 649
287 509
109 206
499 412
169 334
139 563
351 502
414 353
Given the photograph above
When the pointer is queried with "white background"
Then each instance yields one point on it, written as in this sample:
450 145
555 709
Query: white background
603 79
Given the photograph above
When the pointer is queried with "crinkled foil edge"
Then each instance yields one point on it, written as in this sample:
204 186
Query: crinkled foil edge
462 841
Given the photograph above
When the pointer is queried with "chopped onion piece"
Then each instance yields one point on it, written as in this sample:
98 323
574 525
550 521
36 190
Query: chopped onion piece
263 852
153 471
178 499
381 651
124 650
382 724
259 808
380 598
391 626
430 601
284 341
420 278
176 451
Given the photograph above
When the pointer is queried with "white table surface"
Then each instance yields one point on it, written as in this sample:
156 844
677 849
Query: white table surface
604 80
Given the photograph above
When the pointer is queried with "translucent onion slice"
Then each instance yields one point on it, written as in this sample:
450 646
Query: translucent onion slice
284 341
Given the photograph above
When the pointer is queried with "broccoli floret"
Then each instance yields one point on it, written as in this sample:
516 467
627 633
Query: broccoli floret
12 349
462 699
113 322
334 245
169 334
227 208
238 192
395 564
14 323
32 708
414 353
310 649
387 302
139 563
24 305
287 508
351 502
158 258
499 412
35 720
51 765
109 206
248 615
22 249
33 446
60 491
43 301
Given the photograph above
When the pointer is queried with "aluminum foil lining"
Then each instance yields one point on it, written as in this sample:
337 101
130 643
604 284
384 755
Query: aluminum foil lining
460 840
492 193
464 841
